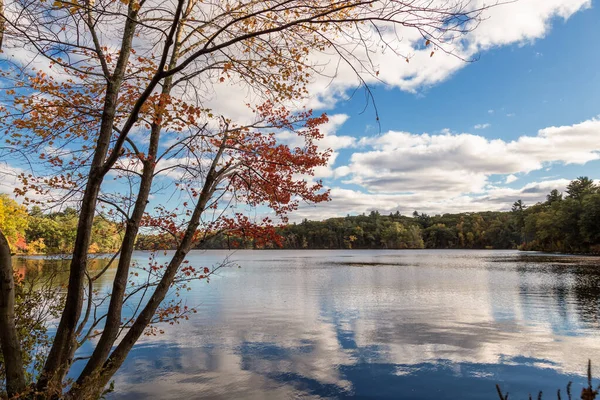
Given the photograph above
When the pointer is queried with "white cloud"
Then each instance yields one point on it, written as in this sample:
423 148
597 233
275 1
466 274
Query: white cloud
450 172
482 126
511 178
54 199
522 21
8 178
530 193
347 201
462 163
330 141
519 22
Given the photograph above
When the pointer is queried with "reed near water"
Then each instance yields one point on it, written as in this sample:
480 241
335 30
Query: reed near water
587 393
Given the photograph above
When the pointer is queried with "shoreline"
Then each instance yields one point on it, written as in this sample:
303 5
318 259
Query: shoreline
101 254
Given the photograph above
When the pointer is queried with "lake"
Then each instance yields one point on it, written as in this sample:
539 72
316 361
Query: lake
423 324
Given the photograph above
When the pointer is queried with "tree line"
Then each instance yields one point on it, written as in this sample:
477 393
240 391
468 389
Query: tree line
568 222
34 232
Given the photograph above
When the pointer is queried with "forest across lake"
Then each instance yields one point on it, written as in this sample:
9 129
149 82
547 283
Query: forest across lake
568 223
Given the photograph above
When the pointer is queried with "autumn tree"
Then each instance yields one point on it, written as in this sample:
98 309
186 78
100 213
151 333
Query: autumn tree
107 101
13 222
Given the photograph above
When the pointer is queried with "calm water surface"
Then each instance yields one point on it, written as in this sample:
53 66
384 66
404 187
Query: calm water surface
375 324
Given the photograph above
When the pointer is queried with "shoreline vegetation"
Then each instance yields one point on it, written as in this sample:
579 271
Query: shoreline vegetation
564 223
587 393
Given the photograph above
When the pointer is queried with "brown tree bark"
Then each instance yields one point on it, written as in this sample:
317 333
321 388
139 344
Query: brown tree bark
2 23
9 340
113 320
58 362
92 386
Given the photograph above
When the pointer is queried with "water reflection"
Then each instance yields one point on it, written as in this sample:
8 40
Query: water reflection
393 324
57 267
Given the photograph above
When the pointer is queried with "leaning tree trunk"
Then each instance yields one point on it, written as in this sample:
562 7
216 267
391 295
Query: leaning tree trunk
91 387
60 356
114 314
9 340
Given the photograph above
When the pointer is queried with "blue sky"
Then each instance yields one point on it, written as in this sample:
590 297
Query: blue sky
453 136
552 81
513 90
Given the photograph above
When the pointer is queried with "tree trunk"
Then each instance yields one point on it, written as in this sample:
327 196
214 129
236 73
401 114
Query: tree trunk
114 314
92 386
9 340
58 362
113 320
2 23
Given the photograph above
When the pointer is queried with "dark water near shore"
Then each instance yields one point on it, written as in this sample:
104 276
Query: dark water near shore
376 324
